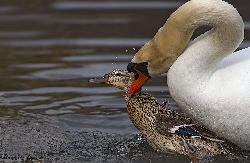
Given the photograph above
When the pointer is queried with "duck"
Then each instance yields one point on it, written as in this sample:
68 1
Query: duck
165 129
207 78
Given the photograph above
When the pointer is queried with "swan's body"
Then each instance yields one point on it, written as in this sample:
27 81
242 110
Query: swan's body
208 80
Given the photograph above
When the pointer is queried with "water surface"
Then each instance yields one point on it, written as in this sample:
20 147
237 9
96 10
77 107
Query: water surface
50 49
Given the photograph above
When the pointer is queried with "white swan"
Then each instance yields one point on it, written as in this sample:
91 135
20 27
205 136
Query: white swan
206 79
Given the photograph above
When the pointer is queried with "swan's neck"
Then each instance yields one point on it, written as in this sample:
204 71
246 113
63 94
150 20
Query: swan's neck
173 38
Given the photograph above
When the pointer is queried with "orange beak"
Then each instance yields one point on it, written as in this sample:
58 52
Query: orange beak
137 84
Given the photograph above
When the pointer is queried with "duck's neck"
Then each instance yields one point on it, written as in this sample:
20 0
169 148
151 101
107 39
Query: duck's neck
142 111
173 38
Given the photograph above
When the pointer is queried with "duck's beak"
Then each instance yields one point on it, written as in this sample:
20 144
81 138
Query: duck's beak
136 84
102 80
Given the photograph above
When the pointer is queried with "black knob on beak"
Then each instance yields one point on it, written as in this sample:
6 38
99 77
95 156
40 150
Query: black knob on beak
142 67
131 67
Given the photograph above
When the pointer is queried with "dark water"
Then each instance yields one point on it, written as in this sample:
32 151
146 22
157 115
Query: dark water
50 48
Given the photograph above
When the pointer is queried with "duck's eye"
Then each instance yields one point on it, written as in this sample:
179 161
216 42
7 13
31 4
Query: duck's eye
118 74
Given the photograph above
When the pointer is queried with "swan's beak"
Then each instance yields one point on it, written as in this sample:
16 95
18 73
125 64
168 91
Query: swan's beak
141 76
136 84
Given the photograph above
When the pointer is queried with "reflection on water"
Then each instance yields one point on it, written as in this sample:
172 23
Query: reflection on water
50 49
112 5
89 42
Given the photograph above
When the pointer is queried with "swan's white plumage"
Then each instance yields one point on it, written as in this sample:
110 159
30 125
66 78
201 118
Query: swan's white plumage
207 80
237 57
221 101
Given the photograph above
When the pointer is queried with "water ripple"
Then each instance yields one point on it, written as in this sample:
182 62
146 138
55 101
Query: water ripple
6 9
21 100
89 42
74 104
86 21
65 5
89 71
23 17
36 65
55 90
98 58
86 42
109 123
20 34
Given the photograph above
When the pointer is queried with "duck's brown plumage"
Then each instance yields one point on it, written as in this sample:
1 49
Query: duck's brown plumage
157 123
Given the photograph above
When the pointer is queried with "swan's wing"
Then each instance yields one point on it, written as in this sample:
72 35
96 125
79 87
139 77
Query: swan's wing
236 58
229 82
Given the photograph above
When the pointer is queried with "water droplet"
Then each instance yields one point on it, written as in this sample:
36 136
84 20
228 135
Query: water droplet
139 137
116 57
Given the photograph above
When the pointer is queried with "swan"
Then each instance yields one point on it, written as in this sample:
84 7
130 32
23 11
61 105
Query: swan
206 78
167 130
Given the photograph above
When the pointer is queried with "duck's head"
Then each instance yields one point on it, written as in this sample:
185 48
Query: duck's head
142 109
118 78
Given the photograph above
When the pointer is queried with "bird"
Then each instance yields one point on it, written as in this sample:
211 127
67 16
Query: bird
166 130
207 79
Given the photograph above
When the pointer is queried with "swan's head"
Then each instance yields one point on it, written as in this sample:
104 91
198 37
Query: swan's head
118 78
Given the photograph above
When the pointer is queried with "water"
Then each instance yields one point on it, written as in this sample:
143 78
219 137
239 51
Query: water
50 49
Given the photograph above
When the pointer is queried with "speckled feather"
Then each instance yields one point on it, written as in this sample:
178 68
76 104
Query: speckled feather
156 123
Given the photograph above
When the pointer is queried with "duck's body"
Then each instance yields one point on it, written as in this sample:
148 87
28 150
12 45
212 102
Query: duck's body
169 131
207 80
164 129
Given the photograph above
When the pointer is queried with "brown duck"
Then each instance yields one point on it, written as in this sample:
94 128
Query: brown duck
166 130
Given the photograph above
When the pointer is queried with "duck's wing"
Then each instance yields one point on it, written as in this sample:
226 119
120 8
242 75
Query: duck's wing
209 135
167 121
236 58
172 122
194 131
185 130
